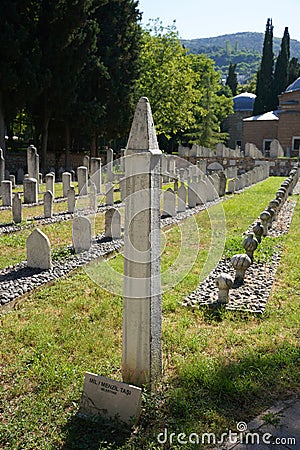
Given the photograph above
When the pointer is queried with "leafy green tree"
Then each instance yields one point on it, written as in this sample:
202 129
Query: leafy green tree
167 79
213 104
282 65
231 79
265 98
184 90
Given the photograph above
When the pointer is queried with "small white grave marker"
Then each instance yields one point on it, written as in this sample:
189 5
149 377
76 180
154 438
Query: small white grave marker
109 399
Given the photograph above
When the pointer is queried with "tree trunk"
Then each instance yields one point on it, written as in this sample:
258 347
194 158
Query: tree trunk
67 153
2 127
45 130
94 144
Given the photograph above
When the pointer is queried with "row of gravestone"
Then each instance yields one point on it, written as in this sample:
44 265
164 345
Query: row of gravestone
39 249
196 193
199 191
92 164
31 185
199 151
241 262
259 173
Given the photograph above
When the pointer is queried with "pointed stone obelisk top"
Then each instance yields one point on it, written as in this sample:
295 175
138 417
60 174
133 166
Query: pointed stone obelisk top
142 137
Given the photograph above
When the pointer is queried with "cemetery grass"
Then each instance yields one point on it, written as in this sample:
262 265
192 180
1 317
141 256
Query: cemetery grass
219 367
59 233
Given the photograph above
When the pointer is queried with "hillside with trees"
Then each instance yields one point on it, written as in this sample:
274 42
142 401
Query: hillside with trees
243 49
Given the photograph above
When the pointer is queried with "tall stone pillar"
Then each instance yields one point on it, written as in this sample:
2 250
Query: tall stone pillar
33 162
96 173
142 314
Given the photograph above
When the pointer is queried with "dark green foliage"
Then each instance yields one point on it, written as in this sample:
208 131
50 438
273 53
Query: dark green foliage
64 33
118 46
265 98
17 55
293 71
73 65
231 79
105 96
282 64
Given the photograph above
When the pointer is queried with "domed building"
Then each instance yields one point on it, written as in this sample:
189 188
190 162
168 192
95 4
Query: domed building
233 125
282 124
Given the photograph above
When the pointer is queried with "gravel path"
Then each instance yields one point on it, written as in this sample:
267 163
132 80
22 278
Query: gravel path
253 295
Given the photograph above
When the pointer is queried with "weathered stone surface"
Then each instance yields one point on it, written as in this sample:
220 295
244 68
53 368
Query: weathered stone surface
66 181
231 186
258 231
224 282
222 184
48 204
71 199
82 176
33 162
38 250
96 173
50 182
250 244
108 399
113 223
192 194
17 208
109 194
265 217
202 192
30 190
142 359
181 198
240 263
93 196
122 185
6 191
169 208
81 234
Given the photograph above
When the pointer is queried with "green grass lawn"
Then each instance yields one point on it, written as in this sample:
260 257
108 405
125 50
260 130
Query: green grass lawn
219 367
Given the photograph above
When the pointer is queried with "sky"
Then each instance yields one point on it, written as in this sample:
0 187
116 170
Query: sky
209 18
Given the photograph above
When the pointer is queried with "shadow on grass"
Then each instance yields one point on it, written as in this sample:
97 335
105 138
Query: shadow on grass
206 396
93 435
234 390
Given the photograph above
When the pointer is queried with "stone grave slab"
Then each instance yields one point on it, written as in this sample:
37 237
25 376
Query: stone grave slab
109 399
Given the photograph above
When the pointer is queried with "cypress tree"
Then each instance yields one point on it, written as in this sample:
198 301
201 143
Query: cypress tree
231 79
282 65
265 98
119 40
293 71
